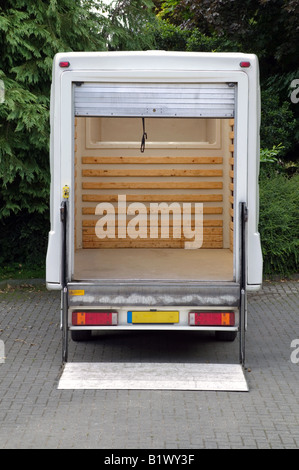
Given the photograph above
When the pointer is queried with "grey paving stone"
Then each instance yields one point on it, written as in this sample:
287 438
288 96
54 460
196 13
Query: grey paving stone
34 414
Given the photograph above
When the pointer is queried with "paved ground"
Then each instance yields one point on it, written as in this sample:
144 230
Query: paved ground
34 414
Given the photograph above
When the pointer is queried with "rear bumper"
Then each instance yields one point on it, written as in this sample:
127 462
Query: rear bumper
124 296
153 294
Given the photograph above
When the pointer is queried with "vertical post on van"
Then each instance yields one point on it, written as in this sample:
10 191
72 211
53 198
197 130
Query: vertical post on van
64 300
243 306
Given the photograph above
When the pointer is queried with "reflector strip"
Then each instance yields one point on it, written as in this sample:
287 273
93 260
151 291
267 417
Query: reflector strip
94 318
153 316
211 318
76 292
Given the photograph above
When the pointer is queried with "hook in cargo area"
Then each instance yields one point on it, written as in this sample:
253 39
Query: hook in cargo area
144 137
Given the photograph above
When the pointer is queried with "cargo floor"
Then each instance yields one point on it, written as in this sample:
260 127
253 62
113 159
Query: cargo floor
153 264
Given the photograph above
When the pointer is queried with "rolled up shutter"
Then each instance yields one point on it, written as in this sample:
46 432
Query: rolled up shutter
207 100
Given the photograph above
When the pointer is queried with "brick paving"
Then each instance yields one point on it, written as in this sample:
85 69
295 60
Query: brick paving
34 414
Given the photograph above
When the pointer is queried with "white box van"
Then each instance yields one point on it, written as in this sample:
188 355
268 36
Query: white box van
154 191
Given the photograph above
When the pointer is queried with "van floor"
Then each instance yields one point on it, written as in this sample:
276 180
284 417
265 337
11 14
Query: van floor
154 264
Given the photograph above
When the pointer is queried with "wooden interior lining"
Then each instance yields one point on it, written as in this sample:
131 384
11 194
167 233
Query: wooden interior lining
158 175
133 173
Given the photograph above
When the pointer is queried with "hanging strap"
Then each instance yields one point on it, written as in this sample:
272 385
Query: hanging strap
144 137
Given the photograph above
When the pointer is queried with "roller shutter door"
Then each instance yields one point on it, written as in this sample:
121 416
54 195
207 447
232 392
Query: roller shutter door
207 100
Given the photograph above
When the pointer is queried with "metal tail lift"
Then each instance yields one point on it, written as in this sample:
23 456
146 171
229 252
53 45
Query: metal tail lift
243 296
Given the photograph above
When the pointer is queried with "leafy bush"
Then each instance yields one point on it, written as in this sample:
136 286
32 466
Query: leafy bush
23 239
270 155
173 38
202 43
169 37
279 224
278 123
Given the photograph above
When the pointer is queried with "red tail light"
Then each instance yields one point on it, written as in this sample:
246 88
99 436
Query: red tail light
64 64
211 318
94 318
245 64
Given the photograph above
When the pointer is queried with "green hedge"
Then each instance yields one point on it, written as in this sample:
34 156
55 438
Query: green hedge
279 223
24 239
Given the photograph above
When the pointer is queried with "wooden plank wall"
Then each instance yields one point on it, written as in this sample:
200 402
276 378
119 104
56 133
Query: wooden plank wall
101 175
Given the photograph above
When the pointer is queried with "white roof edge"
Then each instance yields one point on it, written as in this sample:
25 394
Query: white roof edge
167 60
81 54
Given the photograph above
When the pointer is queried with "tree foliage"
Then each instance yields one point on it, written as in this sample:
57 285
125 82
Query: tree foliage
31 33
130 25
267 27
173 38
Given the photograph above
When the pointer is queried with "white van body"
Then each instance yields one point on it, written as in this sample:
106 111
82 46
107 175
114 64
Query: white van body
199 117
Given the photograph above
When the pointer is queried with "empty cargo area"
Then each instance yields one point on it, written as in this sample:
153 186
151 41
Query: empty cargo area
125 167
152 264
